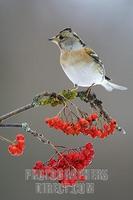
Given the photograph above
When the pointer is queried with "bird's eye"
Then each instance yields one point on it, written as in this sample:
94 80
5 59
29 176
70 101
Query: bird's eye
61 37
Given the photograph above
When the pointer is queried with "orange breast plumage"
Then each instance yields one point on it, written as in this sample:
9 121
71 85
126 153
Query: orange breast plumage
75 57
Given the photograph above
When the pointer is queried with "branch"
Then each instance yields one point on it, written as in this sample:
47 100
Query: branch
24 108
39 136
27 129
94 102
16 111
83 95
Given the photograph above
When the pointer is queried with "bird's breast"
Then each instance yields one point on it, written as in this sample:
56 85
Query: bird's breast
74 58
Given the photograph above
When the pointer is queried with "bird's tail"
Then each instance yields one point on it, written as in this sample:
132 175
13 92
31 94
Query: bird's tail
110 86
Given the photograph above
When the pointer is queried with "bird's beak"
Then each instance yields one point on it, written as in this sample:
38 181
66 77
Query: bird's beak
53 39
50 39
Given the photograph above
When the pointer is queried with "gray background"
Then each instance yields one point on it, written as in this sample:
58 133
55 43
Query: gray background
29 64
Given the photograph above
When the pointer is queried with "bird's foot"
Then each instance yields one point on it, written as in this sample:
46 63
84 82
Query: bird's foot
75 87
88 91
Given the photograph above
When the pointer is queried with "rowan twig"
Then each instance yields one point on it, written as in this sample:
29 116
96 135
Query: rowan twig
94 102
16 111
83 95
14 125
39 136
27 129
24 108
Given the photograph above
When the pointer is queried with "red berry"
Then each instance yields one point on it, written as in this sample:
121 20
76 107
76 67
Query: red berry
83 122
14 150
88 146
94 116
20 137
82 178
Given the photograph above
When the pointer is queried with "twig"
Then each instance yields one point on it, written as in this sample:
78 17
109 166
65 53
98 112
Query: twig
94 102
5 139
39 136
14 125
88 98
24 108
16 111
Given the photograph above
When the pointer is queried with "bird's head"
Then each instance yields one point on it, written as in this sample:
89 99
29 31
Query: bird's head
68 40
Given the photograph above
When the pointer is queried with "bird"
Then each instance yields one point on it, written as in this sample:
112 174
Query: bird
80 63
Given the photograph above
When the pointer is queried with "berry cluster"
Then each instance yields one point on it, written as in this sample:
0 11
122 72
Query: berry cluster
75 161
103 132
17 148
86 126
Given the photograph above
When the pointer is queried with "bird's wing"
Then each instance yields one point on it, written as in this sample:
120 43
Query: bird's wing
96 59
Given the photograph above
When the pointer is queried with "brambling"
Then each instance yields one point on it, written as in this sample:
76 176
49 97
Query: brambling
81 64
